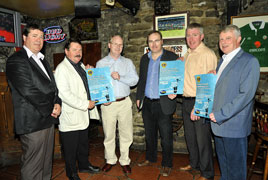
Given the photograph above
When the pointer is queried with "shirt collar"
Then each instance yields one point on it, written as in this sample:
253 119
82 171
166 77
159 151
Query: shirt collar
73 63
111 58
30 54
231 54
252 27
150 54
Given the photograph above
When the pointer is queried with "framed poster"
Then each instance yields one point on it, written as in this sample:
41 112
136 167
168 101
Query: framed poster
83 29
172 26
254 34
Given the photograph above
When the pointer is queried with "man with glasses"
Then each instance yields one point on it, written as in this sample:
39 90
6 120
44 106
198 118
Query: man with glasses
119 112
156 111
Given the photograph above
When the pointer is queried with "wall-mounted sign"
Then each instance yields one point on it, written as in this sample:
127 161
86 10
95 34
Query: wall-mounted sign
54 34
83 29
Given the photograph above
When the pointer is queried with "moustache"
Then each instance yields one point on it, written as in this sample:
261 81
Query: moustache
78 56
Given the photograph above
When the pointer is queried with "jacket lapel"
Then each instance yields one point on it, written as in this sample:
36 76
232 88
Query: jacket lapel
32 61
235 59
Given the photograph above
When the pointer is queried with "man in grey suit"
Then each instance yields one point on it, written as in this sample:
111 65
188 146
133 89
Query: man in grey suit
36 105
238 76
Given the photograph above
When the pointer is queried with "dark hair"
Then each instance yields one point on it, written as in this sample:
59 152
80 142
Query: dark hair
153 32
29 27
71 40
196 26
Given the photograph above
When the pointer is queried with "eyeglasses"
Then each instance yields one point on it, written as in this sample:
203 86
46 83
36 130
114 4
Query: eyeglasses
156 41
119 45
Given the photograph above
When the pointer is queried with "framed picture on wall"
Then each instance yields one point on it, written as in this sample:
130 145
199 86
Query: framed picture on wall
83 29
254 32
172 26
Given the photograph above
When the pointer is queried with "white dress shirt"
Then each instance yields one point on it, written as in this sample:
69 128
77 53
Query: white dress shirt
37 58
226 60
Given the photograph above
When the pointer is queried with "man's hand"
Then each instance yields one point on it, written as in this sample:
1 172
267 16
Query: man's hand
138 104
172 96
115 75
107 104
89 66
212 117
91 104
212 72
194 117
56 111
180 58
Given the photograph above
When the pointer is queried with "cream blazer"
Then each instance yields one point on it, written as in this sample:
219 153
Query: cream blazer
74 115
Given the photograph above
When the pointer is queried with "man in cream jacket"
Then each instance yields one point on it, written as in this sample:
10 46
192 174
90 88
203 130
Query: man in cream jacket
73 88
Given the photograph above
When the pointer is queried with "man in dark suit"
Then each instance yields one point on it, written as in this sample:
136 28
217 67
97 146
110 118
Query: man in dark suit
36 105
156 111
238 76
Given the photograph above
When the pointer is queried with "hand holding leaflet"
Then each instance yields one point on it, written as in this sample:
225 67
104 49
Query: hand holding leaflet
205 87
100 85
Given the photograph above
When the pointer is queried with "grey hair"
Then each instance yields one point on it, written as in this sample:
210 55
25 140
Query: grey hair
197 26
232 28
115 35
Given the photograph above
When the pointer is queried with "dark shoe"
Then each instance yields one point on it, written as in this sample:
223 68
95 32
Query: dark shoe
90 169
186 168
74 177
126 169
144 163
107 167
165 171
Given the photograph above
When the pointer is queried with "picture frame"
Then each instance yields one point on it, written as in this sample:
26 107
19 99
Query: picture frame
83 28
254 40
172 26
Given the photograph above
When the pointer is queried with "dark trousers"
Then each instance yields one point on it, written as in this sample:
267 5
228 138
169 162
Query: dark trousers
75 148
232 157
198 140
154 119
37 154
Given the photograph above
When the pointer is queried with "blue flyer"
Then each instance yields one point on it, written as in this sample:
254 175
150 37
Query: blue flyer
100 85
205 88
171 77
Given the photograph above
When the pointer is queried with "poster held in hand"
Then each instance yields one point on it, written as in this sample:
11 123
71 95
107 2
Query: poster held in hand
100 85
205 88
171 78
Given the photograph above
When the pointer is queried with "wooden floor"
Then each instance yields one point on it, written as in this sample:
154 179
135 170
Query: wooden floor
96 157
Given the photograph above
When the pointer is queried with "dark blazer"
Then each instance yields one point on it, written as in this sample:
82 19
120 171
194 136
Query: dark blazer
168 106
33 93
234 96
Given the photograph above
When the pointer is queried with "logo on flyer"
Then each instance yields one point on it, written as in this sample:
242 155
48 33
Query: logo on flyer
90 72
164 65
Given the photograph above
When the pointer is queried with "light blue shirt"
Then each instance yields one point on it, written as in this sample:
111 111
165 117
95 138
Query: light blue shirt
152 82
126 70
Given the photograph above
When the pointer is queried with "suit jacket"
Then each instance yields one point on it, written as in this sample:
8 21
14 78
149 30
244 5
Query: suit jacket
234 96
168 106
33 93
74 115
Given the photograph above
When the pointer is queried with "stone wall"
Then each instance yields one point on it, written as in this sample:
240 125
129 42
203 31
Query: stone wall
134 29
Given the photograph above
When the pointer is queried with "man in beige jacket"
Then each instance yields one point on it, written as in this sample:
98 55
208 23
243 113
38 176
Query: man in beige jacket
73 88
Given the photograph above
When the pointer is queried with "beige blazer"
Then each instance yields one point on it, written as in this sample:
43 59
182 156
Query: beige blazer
74 115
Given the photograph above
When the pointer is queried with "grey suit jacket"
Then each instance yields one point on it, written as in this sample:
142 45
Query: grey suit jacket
234 96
